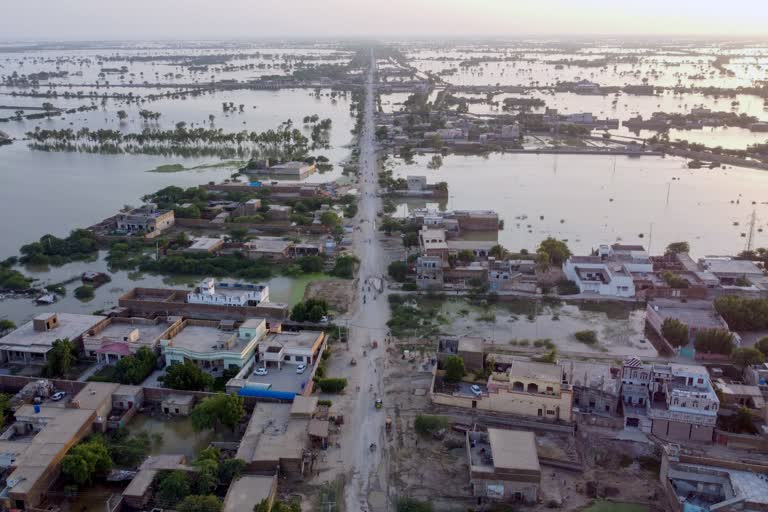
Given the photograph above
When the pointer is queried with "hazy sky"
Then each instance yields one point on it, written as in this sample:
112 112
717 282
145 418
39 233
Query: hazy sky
204 19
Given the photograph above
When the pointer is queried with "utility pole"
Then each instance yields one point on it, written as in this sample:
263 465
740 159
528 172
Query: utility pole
751 234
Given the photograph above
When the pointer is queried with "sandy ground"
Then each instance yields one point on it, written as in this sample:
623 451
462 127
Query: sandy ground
339 293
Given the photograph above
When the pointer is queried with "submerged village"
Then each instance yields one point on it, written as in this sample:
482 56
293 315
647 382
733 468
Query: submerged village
405 277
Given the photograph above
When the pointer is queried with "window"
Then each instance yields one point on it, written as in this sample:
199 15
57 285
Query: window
700 380
550 413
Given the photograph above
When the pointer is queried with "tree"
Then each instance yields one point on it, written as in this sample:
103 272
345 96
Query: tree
6 326
747 356
277 506
454 369
678 248
122 115
675 332
196 503
466 256
762 346
85 460
498 252
329 219
134 368
311 310
742 313
221 409
398 271
238 234
674 280
229 470
173 487
714 341
556 250
61 357
187 376
426 424
588 337
344 267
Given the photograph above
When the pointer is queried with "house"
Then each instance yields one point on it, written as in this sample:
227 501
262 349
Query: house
698 315
146 219
504 274
532 389
177 404
510 131
30 343
672 401
228 293
429 272
139 492
213 345
740 395
596 387
468 348
250 490
271 249
279 212
731 272
290 347
40 437
503 465
432 242
205 244
702 484
610 270
117 337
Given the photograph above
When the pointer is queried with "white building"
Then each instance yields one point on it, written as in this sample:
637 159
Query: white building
609 270
228 293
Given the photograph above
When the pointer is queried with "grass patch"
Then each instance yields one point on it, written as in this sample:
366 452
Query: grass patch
587 337
106 374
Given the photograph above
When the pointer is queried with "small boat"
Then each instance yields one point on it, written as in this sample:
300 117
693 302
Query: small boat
46 299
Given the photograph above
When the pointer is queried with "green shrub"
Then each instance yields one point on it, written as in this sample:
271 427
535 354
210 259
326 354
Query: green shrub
412 505
587 337
714 341
675 332
332 384
427 424
326 403
84 292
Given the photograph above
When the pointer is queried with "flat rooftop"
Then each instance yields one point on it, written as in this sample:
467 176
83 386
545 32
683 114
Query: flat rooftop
204 243
514 449
534 370
297 339
260 245
694 313
593 375
118 330
70 326
247 491
272 434
730 266
200 338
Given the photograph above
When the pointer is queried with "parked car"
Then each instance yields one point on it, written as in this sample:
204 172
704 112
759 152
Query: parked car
58 396
476 390
301 368
261 371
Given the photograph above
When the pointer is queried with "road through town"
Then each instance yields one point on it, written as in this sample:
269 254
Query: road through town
367 484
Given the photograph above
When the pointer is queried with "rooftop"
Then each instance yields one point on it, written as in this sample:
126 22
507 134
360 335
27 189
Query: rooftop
272 434
304 406
730 266
70 326
247 491
277 246
513 449
119 329
470 344
297 339
534 370
205 243
694 313
592 375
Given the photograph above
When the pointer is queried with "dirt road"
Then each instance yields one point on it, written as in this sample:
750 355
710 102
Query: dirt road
366 487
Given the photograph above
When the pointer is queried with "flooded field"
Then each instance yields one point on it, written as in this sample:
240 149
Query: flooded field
177 435
589 200
520 324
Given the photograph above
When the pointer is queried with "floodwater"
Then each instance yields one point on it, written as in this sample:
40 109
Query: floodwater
593 199
284 289
178 436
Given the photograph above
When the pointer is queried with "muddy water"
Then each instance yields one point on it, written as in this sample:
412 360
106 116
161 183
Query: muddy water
591 199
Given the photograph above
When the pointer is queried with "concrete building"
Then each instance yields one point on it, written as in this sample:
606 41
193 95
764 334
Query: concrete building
699 484
532 389
289 347
30 343
672 401
468 348
429 273
213 345
292 170
609 271
177 404
146 219
596 387
416 183
117 337
139 492
698 315
432 242
228 293
503 465
271 249
250 490
728 270
42 435
205 244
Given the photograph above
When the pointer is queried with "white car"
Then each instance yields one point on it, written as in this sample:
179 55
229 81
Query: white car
301 368
476 390
58 396
261 371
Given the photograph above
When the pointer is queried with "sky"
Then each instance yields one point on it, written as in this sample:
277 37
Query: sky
290 19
